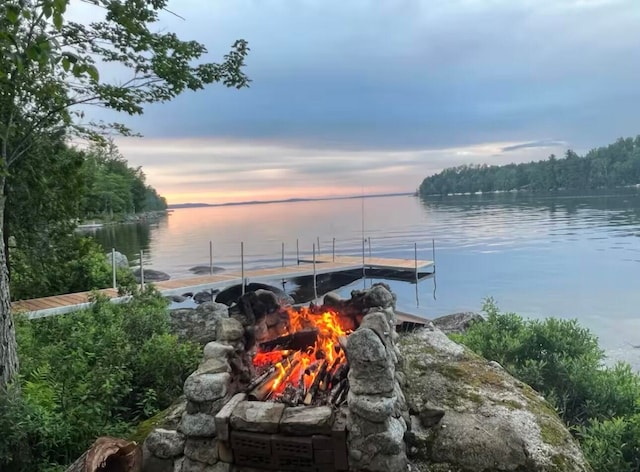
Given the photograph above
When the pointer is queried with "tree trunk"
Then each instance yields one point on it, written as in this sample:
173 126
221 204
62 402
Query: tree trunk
109 455
8 346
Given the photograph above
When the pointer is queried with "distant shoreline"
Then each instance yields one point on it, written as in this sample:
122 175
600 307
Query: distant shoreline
289 200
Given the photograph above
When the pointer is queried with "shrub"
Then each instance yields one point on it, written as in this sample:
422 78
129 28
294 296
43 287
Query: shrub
91 373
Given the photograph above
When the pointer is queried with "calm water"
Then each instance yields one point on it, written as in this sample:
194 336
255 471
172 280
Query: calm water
562 255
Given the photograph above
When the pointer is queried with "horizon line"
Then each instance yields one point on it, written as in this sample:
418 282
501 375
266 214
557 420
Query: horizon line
286 200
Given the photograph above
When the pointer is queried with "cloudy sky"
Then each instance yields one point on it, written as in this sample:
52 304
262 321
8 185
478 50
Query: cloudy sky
374 95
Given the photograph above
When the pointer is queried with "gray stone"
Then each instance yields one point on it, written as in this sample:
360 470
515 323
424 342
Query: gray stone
373 408
165 443
206 387
198 425
216 350
203 297
377 322
381 452
176 298
202 450
121 260
257 417
213 366
151 463
333 300
200 324
210 408
306 420
491 421
229 329
189 465
457 322
380 295
371 371
223 417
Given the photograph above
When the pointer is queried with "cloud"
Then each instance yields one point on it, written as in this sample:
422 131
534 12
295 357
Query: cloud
218 171
545 143
343 90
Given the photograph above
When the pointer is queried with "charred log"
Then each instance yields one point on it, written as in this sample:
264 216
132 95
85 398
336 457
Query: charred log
295 341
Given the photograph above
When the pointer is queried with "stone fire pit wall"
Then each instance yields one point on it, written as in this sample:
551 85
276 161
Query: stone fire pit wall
221 431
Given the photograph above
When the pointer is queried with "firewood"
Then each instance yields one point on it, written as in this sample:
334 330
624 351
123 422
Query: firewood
109 454
337 390
308 399
295 341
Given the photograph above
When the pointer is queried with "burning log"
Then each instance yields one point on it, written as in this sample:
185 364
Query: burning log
308 399
264 383
295 341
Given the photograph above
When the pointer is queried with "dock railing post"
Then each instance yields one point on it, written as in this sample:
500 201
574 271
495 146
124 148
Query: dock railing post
364 270
242 264
283 254
315 287
210 257
141 269
318 239
433 251
415 256
113 267
333 250
298 251
369 240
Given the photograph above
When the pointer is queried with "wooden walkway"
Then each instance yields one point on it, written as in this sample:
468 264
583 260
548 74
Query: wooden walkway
56 305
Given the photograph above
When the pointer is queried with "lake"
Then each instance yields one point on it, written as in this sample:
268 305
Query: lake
570 256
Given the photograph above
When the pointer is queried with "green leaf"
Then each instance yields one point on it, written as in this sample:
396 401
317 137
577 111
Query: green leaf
57 20
93 72
66 63
13 12
26 14
33 52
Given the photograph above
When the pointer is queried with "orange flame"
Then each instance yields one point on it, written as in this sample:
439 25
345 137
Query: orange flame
330 326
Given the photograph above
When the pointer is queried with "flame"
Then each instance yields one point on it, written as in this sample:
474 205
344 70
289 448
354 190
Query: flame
296 368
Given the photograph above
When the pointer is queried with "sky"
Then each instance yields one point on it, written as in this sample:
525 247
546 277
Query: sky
353 96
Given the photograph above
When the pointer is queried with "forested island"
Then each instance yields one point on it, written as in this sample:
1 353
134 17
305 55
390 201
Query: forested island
615 165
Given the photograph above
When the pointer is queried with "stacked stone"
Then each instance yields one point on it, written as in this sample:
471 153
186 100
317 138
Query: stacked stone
377 414
193 445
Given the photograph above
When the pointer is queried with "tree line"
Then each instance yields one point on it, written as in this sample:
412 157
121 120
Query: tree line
615 165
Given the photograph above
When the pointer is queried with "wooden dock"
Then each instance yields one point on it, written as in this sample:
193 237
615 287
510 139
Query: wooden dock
60 304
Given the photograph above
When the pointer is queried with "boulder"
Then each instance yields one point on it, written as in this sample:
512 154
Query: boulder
176 298
121 260
206 387
165 443
202 450
306 420
470 415
457 322
204 296
206 270
257 417
151 275
198 324
232 294
197 425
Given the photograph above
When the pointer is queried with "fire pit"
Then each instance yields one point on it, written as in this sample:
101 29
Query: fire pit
305 389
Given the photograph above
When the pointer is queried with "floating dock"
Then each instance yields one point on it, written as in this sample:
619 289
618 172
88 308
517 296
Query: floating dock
405 269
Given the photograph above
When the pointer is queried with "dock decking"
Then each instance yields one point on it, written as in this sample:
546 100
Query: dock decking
59 304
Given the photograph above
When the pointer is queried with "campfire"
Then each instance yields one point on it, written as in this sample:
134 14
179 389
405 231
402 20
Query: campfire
306 363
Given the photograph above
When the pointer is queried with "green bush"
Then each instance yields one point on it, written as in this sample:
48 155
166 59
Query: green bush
73 264
91 373
563 361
